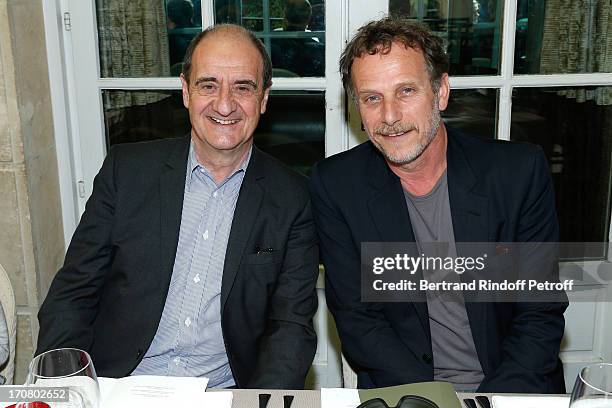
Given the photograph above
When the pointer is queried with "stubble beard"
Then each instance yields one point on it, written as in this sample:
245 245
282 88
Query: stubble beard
433 124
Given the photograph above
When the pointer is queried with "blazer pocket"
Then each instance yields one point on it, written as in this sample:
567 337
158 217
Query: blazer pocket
262 258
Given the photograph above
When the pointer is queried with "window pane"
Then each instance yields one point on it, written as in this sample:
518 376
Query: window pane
145 39
184 21
292 30
470 28
135 116
247 13
292 129
574 127
562 37
473 112
149 39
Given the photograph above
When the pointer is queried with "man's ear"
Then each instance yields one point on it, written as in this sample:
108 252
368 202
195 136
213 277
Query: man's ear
443 92
264 101
185 88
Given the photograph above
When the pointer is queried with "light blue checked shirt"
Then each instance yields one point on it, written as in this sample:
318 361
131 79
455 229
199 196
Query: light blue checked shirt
189 341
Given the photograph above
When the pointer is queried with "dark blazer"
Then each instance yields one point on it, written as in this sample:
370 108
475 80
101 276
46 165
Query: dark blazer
499 192
109 296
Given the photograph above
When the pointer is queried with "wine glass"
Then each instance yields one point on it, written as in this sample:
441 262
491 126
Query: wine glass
593 387
66 367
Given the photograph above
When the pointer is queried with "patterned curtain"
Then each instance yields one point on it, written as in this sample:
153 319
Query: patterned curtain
133 42
578 39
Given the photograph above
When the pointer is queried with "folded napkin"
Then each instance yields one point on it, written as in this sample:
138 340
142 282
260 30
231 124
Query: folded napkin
504 401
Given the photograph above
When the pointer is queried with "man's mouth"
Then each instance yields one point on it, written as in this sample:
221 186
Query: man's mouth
389 131
224 121
397 133
394 134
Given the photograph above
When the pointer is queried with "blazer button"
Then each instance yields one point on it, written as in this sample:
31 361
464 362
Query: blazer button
427 358
139 354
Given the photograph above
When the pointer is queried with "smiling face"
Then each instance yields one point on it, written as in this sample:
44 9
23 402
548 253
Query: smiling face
398 107
225 94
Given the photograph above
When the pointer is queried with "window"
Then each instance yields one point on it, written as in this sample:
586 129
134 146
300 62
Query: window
149 40
576 135
471 30
295 136
512 64
570 122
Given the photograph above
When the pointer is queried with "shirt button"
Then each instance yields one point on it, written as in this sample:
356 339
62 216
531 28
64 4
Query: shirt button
196 278
177 360
215 194
187 322
205 235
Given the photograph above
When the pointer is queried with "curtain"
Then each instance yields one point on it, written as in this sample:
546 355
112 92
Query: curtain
578 39
133 41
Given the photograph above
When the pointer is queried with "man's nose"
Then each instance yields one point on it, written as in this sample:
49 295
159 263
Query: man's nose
391 111
224 103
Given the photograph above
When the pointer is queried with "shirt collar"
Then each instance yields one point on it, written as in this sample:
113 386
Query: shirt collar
194 165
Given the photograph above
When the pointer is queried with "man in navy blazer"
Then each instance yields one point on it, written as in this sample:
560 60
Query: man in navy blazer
417 181
198 255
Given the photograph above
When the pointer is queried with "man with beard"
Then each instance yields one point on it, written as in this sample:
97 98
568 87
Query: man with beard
417 181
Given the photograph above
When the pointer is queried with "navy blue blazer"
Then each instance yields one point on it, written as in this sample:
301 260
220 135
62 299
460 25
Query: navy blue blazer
499 192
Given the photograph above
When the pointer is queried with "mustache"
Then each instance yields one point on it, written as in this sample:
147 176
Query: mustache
387 130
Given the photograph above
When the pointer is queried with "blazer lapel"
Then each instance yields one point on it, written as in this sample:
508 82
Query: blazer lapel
468 206
247 208
171 191
469 212
389 212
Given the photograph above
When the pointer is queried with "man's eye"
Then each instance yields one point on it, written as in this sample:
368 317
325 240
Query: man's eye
407 91
371 99
244 89
205 88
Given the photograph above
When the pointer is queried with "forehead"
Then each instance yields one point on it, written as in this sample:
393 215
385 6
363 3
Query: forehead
226 54
399 64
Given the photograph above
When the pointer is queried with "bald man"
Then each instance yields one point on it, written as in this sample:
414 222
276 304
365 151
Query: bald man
195 256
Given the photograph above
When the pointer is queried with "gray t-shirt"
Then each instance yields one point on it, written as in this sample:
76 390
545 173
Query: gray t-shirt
454 352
